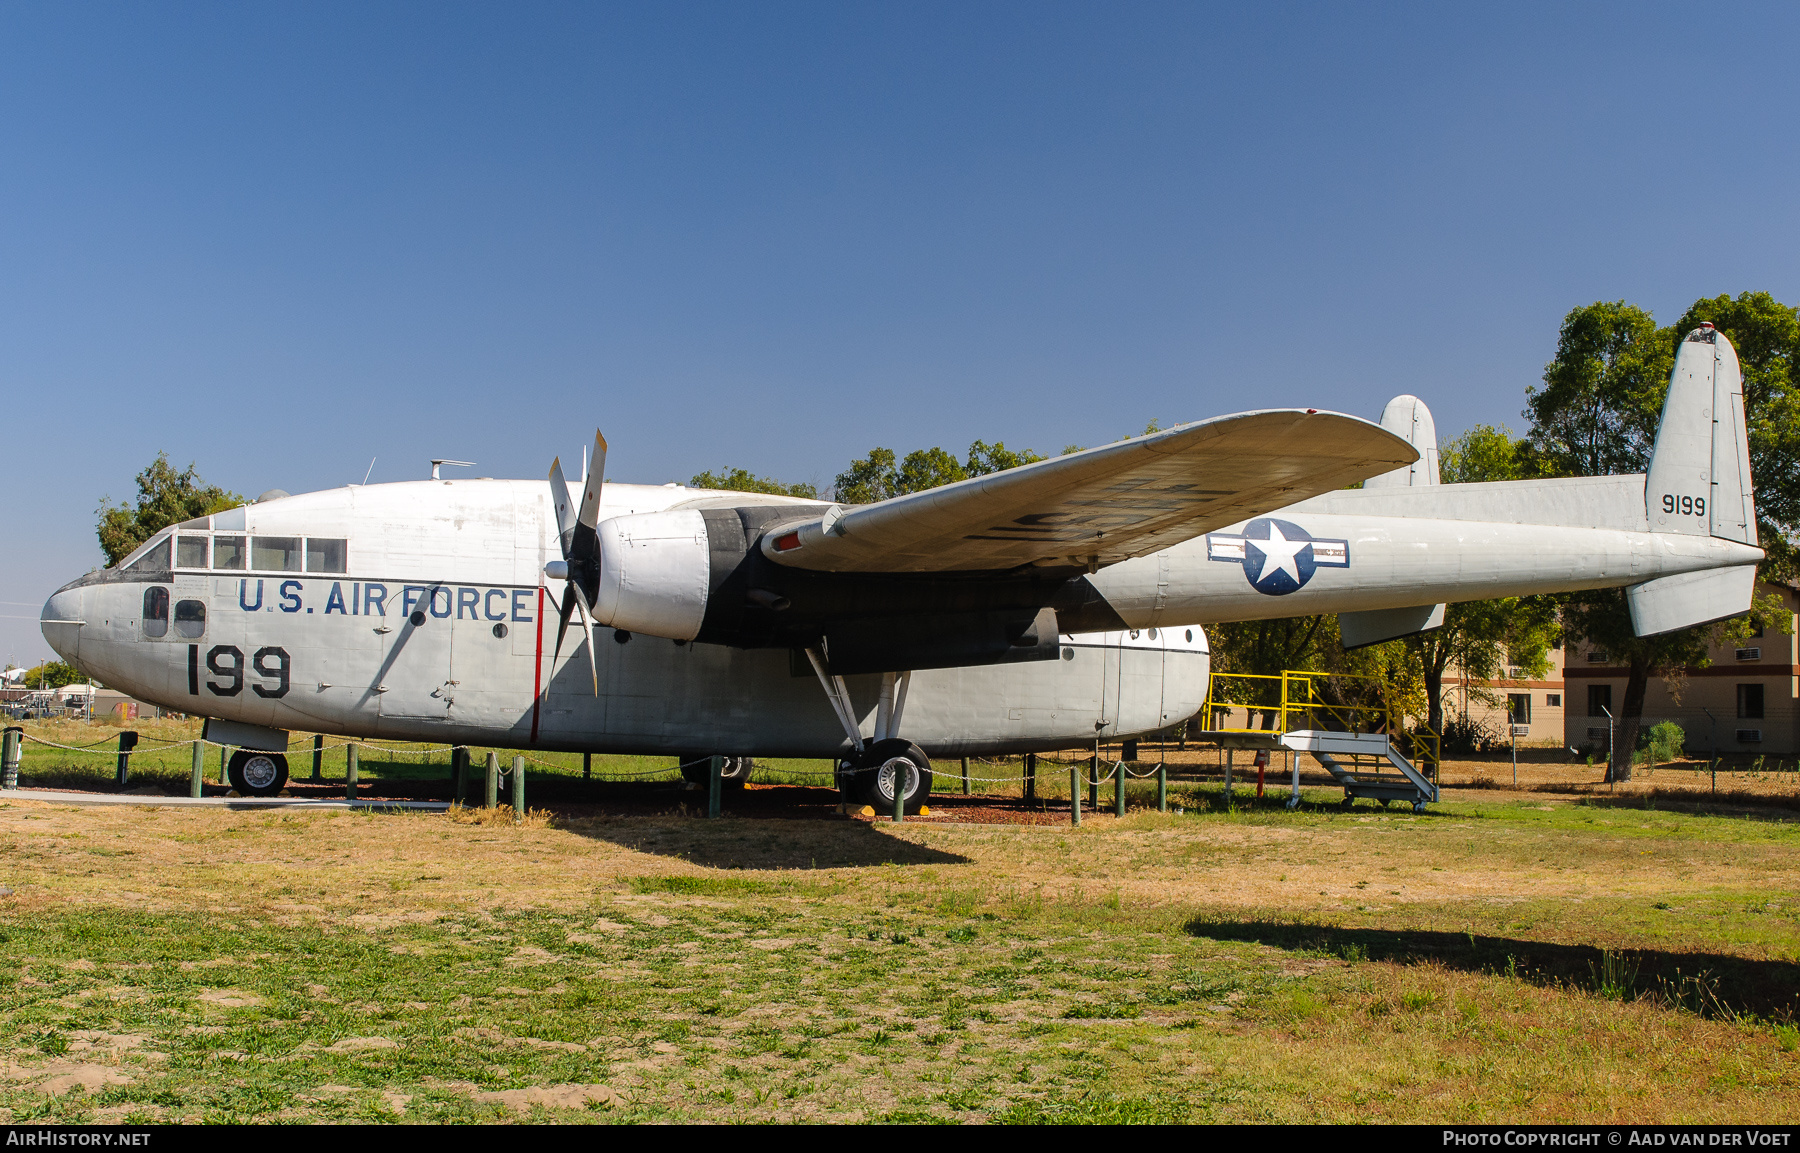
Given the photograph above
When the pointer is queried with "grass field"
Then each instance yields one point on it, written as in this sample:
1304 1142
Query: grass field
1507 957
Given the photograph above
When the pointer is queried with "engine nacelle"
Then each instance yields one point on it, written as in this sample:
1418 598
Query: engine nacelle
655 572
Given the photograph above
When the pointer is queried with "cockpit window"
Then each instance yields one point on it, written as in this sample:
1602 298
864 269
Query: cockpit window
154 558
156 611
325 555
228 552
190 552
190 619
275 553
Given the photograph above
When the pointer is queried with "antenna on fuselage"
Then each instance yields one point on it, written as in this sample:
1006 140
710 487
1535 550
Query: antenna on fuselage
437 464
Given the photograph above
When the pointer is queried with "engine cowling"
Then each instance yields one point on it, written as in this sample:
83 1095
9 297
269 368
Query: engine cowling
655 573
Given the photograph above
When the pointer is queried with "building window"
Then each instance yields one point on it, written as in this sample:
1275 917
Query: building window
1597 657
1599 700
1553 700
1518 708
1750 702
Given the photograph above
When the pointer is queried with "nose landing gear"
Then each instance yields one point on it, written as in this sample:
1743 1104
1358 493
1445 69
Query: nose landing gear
254 773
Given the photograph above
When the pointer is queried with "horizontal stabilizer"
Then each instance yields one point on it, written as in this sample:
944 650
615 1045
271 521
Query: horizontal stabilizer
1372 626
1692 598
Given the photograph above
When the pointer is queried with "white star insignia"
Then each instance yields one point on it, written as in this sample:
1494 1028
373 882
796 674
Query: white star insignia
1279 555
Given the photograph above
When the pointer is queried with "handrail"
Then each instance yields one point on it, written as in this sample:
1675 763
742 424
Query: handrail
1292 700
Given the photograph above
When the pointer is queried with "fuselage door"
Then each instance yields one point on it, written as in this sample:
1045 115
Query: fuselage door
415 683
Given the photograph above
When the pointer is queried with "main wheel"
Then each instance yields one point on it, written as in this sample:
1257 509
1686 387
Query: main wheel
888 764
254 773
736 770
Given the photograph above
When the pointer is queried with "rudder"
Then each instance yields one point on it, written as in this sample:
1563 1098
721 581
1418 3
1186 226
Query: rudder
1699 480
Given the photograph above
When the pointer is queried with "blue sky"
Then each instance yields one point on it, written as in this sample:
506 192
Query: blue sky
280 240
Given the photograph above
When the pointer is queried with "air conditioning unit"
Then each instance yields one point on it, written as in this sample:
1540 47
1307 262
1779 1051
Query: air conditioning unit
1749 736
1521 730
1596 734
1749 654
1597 657
1515 674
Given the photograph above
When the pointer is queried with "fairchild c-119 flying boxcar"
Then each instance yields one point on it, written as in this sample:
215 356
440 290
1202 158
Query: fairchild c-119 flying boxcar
1030 609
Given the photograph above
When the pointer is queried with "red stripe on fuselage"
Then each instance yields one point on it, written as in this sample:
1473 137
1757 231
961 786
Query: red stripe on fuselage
537 667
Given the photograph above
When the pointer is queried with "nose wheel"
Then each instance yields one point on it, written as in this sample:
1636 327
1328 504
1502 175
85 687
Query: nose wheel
254 773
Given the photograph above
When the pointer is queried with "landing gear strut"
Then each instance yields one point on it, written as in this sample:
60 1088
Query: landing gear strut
875 769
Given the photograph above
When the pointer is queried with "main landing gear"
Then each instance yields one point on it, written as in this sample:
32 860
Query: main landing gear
875 769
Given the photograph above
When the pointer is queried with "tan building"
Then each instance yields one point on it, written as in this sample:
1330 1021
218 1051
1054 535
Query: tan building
1747 702
1534 705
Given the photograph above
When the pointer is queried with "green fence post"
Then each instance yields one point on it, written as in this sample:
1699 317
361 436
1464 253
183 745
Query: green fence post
1119 789
587 766
350 767
1094 782
1075 793
1030 777
715 784
1162 787
197 778
965 776
518 783
899 795
493 781
318 758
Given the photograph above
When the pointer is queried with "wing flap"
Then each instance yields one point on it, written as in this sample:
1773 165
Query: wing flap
1102 505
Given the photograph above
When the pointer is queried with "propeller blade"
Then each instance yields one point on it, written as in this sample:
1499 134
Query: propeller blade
562 626
587 623
565 508
589 515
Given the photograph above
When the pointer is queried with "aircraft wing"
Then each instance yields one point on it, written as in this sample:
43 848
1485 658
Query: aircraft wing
1102 505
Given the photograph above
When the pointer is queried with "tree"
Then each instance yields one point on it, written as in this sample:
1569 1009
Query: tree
1597 413
878 476
53 675
741 480
165 497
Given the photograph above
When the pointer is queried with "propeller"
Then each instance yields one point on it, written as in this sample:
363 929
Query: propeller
580 565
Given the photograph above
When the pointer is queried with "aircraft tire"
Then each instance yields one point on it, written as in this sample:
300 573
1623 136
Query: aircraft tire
871 781
736 774
254 773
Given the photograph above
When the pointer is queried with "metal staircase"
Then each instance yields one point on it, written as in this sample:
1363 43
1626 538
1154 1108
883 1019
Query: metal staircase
1354 731
1366 764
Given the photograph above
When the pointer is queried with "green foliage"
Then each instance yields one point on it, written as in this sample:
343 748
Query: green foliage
165 497
1664 742
1481 454
1597 412
880 475
741 480
52 675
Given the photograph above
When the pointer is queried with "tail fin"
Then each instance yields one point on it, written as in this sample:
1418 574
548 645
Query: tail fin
1408 418
1699 480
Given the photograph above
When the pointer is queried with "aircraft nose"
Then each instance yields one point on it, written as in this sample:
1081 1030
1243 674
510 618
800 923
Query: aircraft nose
61 622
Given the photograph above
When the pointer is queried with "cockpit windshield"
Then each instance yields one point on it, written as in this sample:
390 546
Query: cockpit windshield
154 557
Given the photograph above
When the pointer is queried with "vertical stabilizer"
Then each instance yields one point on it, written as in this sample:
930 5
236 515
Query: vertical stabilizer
1407 417
1699 479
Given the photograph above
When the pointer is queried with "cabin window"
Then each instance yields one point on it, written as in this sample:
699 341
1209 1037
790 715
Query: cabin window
156 611
228 552
190 619
190 552
275 553
155 558
324 554
1750 702
1599 700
